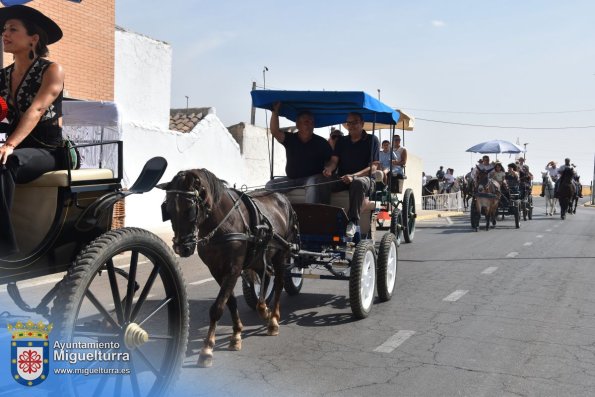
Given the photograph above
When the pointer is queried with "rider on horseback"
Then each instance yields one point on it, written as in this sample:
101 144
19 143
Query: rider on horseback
560 170
552 169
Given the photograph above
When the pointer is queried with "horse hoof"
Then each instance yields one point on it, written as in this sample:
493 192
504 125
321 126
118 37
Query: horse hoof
235 344
273 330
205 360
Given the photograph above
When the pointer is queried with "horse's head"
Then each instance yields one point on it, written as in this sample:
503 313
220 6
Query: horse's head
188 204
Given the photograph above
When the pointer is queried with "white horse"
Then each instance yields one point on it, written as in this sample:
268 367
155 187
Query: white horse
548 189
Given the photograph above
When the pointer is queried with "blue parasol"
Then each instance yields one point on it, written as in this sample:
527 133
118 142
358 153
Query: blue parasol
495 146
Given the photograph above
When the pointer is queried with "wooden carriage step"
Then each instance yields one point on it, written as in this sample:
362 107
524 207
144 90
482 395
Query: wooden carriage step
60 178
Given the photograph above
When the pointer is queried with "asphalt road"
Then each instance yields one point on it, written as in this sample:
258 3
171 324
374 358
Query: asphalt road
498 313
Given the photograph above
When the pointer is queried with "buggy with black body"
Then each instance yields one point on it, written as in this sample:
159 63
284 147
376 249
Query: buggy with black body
120 287
325 251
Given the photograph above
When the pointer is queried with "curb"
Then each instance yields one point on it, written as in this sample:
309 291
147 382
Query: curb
444 214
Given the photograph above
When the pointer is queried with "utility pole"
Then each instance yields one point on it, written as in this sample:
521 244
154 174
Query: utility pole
253 111
525 152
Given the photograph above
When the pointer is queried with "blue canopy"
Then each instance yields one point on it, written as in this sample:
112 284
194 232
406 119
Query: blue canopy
328 107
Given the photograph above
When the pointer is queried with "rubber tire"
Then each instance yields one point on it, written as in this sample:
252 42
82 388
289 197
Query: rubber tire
409 215
363 276
517 217
85 268
530 213
251 292
293 285
525 209
387 271
396 219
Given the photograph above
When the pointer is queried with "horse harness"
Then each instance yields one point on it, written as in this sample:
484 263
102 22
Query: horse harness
261 232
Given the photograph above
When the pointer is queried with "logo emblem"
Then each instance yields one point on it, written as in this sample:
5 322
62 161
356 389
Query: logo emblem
29 352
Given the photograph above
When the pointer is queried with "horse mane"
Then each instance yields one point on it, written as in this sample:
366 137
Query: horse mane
215 185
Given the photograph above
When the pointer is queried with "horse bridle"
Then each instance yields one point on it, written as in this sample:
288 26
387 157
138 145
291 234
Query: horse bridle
195 197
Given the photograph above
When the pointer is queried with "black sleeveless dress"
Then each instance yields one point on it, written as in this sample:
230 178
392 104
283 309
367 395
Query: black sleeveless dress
37 154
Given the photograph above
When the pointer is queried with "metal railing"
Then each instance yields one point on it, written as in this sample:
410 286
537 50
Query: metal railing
443 202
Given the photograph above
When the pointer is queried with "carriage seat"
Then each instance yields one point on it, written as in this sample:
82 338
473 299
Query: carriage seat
338 199
41 194
60 178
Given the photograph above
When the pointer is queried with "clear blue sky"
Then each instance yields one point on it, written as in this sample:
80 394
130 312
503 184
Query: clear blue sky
469 62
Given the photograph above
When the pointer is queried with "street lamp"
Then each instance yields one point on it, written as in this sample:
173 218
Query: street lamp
186 102
525 152
264 80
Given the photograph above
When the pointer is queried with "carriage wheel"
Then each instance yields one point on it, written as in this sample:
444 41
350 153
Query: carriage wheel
525 209
517 217
144 315
387 266
362 279
293 285
530 212
251 285
409 216
396 225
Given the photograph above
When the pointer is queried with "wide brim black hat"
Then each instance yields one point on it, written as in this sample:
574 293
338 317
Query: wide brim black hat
51 28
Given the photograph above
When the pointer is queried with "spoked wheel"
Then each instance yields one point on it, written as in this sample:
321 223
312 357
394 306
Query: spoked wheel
362 280
396 225
387 267
409 215
143 316
293 285
251 285
525 209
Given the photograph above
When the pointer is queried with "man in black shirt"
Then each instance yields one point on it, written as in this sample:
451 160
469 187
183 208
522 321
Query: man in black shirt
306 154
356 158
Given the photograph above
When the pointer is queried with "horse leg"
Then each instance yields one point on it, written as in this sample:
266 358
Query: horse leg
205 357
235 341
273 326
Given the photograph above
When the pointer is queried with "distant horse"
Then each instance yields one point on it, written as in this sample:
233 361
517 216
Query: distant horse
236 231
486 202
574 200
467 188
548 189
429 190
431 187
566 190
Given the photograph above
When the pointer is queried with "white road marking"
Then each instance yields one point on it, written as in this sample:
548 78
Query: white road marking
54 279
539 236
528 243
448 220
455 296
199 282
512 254
394 341
490 270
548 230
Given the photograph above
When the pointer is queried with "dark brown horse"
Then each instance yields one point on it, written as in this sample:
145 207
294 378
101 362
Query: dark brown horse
236 231
566 190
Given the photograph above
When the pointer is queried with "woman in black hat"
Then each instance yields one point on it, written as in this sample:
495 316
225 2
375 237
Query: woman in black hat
32 88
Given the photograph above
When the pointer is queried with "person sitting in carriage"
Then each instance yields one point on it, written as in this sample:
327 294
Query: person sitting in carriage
481 171
34 136
511 181
525 176
498 175
307 154
355 157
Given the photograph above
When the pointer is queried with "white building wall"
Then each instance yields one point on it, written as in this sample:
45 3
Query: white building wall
142 93
142 80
